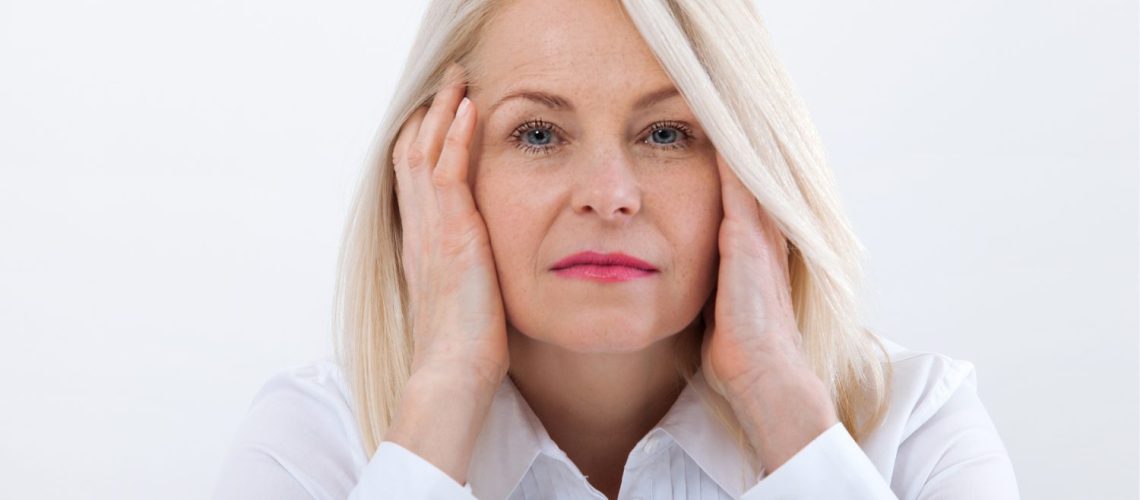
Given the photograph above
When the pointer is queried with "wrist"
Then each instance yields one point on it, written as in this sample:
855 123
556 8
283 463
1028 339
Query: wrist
464 364
465 374
782 412
439 418
454 379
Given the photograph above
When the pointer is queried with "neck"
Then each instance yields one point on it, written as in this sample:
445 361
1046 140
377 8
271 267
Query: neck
597 406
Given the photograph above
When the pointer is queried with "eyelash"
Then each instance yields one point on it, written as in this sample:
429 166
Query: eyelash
538 123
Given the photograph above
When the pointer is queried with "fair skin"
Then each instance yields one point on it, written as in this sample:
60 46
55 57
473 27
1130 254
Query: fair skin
592 359
600 181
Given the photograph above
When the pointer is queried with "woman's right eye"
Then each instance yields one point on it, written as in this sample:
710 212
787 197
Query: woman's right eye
534 137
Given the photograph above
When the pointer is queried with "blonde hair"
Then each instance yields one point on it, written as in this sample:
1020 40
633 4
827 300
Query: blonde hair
718 55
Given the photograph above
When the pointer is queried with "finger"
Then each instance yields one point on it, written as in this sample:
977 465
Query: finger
441 114
739 204
450 175
414 198
421 194
405 196
777 240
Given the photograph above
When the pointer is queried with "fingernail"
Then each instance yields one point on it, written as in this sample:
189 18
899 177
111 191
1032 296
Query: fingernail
464 107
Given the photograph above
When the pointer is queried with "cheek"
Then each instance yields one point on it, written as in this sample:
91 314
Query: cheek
512 212
693 210
694 232
517 215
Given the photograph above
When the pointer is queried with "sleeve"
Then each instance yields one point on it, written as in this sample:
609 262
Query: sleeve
396 472
831 466
953 452
293 444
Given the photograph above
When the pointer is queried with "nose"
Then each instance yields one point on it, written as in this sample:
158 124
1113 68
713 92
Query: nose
608 188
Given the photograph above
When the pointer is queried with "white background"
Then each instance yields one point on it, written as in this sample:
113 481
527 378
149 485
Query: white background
174 179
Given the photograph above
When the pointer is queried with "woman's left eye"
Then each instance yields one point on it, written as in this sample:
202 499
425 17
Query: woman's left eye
669 131
668 135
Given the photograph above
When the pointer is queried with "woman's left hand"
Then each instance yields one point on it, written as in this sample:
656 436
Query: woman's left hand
751 350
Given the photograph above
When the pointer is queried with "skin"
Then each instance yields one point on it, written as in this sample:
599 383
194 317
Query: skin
606 183
593 360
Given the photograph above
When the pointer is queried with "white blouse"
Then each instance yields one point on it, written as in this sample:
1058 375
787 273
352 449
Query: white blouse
299 441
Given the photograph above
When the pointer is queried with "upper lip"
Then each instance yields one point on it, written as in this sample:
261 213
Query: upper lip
603 259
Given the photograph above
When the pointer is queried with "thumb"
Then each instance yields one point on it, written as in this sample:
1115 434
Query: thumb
450 174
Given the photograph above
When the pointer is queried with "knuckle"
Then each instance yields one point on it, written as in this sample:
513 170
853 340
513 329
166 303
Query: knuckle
453 141
440 177
401 144
415 157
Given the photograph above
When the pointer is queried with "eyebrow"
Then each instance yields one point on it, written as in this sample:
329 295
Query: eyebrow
554 101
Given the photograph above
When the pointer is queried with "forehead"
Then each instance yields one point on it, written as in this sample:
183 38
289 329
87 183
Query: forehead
584 50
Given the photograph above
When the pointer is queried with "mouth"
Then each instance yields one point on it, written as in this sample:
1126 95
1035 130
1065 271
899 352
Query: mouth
603 267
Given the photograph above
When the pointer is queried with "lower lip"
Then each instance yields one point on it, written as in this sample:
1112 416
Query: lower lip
606 274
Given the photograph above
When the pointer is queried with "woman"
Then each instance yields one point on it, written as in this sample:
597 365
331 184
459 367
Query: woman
558 282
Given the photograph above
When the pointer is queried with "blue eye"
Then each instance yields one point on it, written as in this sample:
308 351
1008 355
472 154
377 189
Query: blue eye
666 136
540 131
535 136
671 129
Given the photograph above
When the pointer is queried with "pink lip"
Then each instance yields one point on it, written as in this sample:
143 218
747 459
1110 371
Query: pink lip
609 267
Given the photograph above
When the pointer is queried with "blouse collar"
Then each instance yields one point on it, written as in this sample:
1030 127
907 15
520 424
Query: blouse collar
512 438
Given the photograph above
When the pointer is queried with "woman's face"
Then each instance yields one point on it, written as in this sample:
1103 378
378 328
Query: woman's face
582 168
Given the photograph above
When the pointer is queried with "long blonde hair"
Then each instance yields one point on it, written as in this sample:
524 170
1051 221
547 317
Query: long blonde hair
718 55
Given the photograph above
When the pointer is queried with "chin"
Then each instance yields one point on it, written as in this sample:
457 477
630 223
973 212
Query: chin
600 334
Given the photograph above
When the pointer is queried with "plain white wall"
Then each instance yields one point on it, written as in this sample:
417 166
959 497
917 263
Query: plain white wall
174 177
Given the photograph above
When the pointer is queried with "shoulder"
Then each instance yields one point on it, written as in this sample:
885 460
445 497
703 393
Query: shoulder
298 436
922 382
302 419
318 383
311 397
937 437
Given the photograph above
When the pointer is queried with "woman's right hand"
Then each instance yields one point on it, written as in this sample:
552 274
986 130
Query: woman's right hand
457 315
